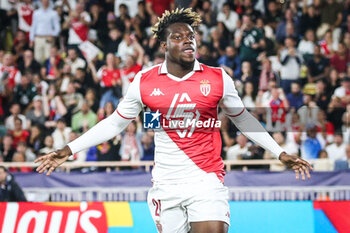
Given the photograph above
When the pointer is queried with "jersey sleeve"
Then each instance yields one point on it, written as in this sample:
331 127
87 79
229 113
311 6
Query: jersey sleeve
131 105
232 104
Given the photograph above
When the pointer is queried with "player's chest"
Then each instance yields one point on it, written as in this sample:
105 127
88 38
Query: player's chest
196 92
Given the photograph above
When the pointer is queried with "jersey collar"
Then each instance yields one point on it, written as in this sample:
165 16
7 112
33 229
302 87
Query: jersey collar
163 69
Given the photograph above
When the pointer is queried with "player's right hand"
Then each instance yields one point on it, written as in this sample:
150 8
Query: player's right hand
51 161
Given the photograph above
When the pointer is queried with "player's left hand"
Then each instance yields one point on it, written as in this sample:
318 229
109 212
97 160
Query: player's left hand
300 166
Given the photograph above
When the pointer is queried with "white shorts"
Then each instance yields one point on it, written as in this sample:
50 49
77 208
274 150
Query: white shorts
175 206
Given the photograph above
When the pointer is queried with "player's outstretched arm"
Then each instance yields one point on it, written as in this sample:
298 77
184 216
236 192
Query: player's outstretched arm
103 131
233 106
251 128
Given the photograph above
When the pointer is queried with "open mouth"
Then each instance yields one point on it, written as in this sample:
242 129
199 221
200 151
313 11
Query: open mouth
188 50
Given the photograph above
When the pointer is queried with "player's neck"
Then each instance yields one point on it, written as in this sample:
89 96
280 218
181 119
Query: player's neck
179 70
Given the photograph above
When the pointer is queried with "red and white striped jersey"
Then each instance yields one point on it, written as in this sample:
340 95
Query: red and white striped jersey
25 16
14 75
185 153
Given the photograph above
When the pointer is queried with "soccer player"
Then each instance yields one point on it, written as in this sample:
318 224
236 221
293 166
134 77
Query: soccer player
188 194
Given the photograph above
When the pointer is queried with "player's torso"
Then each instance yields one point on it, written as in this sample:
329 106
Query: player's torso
189 149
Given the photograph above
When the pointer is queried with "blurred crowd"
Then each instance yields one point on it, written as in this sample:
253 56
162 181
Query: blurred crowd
290 61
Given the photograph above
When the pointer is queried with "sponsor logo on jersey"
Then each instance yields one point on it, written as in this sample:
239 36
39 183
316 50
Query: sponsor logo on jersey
205 87
156 92
151 120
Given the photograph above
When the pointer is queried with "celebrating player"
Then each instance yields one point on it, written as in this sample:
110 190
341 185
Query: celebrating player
188 194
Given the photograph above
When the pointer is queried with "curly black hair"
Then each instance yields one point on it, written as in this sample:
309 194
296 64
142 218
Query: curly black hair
175 16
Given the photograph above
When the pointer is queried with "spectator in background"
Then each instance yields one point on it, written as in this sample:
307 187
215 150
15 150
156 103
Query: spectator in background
19 134
25 91
331 18
273 15
48 142
106 111
53 64
340 59
19 157
72 99
36 138
7 149
208 15
307 44
38 114
29 155
15 111
20 44
291 62
248 9
9 189
343 164
55 104
131 149
318 66
264 97
328 45
28 63
74 61
282 29
110 81
147 146
228 133
267 75
343 92
311 146
324 127
295 97
25 10
61 134
276 111
10 76
228 17
310 19
108 151
218 42
323 154
322 97
84 119
123 18
92 99
82 81
249 95
249 40
133 64
98 22
128 46
78 23
239 150
333 80
346 127
337 150
112 42
232 60
346 35
308 112
247 74
205 56
45 28
158 7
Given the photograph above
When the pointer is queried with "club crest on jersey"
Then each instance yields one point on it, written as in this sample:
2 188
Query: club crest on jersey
205 87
